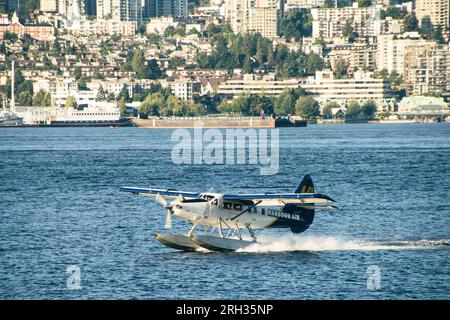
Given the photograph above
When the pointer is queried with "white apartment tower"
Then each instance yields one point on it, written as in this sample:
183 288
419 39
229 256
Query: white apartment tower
437 10
123 10
255 16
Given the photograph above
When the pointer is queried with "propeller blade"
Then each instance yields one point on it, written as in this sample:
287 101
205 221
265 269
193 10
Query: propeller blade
161 200
168 223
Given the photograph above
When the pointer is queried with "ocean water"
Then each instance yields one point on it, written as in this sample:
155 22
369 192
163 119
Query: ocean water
60 207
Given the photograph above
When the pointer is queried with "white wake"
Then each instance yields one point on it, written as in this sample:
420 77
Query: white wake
268 243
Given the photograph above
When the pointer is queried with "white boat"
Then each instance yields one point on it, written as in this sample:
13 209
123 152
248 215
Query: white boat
10 119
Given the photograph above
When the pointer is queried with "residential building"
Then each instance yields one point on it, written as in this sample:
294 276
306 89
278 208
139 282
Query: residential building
123 10
185 89
165 8
436 10
359 56
103 27
37 31
361 87
324 86
391 50
330 22
268 85
427 69
49 5
255 16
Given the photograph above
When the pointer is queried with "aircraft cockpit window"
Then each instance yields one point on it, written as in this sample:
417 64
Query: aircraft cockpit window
215 202
237 206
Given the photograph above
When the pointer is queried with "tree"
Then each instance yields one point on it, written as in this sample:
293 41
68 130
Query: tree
327 109
248 65
297 24
364 3
42 99
77 73
307 107
71 102
169 32
10 36
180 29
138 64
176 62
82 85
426 28
437 35
124 94
285 103
313 63
152 104
410 23
353 109
154 72
369 108
122 107
101 94
341 68
25 99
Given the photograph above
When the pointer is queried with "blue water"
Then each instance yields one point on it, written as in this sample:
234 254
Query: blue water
60 206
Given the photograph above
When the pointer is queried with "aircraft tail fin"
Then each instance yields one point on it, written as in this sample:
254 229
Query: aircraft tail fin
306 186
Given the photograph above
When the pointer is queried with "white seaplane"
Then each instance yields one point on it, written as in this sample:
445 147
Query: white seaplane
224 215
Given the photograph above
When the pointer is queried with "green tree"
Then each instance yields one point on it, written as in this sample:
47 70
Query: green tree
353 110
341 68
122 106
285 103
101 94
124 94
152 104
9 36
180 29
249 65
42 99
437 35
307 107
313 63
77 73
327 109
25 99
169 32
368 109
410 23
426 28
297 24
176 62
71 102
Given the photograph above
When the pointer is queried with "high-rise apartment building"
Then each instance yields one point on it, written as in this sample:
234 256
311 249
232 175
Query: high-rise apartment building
255 16
437 10
123 10
330 22
164 8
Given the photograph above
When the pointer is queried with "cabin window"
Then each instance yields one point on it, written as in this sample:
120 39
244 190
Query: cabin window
254 210
263 211
237 206
227 205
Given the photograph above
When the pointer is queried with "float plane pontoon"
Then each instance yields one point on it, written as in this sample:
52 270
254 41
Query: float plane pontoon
224 216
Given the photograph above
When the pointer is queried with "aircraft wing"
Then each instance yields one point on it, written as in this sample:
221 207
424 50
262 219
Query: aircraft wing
296 198
163 192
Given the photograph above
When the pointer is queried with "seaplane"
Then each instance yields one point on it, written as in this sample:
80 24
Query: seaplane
224 218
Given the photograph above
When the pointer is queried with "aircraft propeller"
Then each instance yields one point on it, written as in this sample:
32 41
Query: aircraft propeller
169 210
